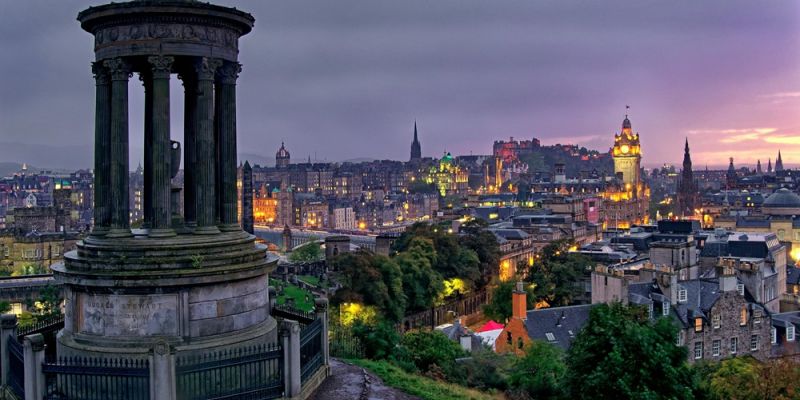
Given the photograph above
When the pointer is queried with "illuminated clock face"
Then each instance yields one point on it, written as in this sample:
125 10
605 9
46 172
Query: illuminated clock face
625 149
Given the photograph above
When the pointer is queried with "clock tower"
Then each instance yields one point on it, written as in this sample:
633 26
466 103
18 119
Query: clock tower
627 154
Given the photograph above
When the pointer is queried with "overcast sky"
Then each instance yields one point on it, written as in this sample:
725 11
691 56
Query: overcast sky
346 79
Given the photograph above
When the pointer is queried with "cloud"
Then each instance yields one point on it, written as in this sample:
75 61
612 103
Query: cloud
783 139
735 135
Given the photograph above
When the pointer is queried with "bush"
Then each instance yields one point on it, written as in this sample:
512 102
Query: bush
432 352
378 341
540 373
485 370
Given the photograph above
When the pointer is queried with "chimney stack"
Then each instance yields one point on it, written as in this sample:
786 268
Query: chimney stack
727 275
519 302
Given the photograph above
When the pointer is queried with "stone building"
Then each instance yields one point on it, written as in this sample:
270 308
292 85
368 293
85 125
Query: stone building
34 252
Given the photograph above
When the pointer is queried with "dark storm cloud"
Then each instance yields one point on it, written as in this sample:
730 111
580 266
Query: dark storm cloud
346 79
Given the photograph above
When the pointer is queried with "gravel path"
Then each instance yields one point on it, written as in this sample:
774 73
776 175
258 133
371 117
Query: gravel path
352 382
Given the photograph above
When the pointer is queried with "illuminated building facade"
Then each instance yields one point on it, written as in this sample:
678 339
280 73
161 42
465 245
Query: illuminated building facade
449 177
626 197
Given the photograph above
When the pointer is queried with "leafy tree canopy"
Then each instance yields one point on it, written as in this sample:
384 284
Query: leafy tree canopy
541 372
557 273
308 252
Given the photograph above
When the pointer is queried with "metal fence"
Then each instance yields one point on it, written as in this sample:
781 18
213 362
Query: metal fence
344 343
250 373
310 349
283 311
46 325
96 379
16 367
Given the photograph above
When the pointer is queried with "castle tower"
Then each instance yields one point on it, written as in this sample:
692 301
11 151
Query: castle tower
416 148
627 154
731 180
282 157
191 285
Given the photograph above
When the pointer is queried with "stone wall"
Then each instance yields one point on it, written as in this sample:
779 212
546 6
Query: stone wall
220 309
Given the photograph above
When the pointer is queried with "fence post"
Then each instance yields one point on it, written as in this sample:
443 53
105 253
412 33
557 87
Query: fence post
162 372
290 331
33 352
8 329
321 304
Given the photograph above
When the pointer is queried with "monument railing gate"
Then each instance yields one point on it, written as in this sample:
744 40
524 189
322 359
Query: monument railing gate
250 373
96 379
310 349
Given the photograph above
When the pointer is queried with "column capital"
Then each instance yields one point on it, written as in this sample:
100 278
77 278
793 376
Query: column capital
206 67
119 68
101 74
161 65
229 72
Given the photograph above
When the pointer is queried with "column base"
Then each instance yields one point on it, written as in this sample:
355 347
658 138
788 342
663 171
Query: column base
161 232
99 231
119 233
229 227
206 230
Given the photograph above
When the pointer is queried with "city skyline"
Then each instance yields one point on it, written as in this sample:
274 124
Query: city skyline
468 72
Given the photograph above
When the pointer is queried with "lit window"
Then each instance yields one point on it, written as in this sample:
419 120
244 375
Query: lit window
698 350
743 316
754 343
715 346
734 345
790 333
698 324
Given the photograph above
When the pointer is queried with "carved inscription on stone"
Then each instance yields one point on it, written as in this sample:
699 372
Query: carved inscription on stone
120 315
185 32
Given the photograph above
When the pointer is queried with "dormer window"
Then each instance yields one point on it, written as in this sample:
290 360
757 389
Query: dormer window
790 333
681 295
757 316
716 321
665 308
740 289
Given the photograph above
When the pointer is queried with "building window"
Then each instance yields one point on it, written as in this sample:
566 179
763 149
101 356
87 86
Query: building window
698 350
681 295
753 342
757 316
550 336
740 289
650 310
665 308
716 321
743 316
715 346
734 345
509 339
790 333
773 336
698 324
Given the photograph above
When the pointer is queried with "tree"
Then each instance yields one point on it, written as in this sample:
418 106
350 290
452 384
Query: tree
450 259
476 238
370 279
540 373
5 307
421 284
621 354
378 341
499 308
308 252
744 378
431 351
557 273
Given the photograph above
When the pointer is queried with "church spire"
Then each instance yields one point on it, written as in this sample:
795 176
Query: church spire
779 163
416 148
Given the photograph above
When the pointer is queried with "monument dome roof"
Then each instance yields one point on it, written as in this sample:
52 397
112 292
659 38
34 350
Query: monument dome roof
782 198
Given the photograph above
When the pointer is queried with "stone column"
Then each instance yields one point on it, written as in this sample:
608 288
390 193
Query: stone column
189 120
147 191
120 207
33 352
247 198
321 305
204 146
102 150
162 372
8 328
226 125
160 207
290 333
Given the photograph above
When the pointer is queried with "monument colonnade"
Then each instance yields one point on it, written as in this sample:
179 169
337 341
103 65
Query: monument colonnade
210 197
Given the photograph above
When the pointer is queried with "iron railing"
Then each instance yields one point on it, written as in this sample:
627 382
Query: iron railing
45 325
287 312
310 349
96 379
16 367
243 374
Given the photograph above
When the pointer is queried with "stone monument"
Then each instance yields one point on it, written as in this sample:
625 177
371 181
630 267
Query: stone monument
194 282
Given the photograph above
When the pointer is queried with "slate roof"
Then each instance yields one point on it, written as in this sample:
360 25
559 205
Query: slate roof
561 324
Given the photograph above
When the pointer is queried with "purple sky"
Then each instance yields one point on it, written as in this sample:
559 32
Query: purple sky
346 79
